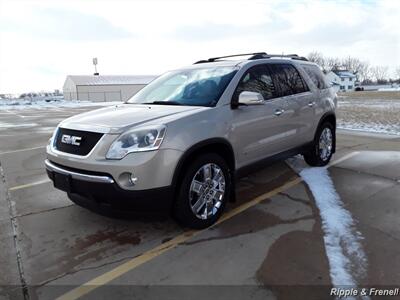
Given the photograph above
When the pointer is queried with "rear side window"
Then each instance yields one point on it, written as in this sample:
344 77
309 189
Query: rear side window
288 79
316 76
257 79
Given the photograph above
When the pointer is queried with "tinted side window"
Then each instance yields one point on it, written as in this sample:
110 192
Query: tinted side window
316 76
257 79
289 79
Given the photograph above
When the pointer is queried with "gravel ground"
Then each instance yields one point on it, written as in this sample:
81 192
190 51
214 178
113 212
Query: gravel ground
370 111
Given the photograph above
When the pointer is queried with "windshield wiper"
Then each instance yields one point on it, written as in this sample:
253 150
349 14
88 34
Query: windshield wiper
164 102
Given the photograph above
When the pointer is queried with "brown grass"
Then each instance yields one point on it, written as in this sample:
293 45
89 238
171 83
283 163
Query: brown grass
371 95
365 115
370 110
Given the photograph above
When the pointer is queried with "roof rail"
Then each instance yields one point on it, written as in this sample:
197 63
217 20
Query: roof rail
292 56
213 59
255 55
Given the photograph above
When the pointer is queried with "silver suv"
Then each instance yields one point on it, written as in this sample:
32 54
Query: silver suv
180 143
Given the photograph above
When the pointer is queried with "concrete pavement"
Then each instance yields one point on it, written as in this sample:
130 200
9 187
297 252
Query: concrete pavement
273 249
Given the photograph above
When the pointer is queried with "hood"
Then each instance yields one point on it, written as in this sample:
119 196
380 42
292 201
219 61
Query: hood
119 118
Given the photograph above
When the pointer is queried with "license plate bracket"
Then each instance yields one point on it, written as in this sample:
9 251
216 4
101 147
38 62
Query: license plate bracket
62 182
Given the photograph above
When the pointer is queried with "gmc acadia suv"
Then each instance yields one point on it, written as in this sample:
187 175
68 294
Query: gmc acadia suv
179 144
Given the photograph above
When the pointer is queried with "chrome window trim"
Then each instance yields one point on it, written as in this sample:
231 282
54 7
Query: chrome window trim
307 93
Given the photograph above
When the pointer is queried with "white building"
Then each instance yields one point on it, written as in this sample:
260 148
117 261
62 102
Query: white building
342 80
103 87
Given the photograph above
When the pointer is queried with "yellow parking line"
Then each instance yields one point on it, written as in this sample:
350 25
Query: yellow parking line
255 201
149 255
19 187
11 112
21 150
344 157
152 253
14 188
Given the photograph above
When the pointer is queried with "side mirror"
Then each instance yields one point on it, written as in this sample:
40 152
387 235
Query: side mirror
250 98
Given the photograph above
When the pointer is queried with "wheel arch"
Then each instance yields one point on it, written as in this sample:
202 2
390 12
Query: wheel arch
220 146
331 118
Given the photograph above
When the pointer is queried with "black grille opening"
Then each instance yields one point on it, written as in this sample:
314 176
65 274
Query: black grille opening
86 142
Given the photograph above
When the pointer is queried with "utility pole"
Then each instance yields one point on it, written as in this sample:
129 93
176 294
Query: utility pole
95 66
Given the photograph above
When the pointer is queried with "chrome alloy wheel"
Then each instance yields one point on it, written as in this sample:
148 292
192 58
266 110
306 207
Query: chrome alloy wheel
325 144
207 191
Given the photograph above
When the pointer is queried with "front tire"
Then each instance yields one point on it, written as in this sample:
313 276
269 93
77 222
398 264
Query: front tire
323 146
203 191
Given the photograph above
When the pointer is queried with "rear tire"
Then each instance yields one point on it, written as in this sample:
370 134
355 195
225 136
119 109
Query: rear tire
203 191
323 146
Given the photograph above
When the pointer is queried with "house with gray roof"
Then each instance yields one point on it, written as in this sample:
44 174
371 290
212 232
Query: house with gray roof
342 80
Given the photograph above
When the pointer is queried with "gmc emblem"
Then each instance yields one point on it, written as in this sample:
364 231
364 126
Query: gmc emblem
71 140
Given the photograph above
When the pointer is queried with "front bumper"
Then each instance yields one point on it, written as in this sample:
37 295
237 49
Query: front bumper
153 169
98 191
54 168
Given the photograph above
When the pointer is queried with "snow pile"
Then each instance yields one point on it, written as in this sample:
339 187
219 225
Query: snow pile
370 127
346 256
391 89
373 105
25 104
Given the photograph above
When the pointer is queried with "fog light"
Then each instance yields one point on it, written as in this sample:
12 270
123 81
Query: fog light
133 179
127 180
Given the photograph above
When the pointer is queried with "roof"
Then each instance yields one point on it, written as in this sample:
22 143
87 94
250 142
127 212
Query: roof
242 62
222 63
252 56
110 79
343 73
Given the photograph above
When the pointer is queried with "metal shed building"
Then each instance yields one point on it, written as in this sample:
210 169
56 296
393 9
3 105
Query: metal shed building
102 88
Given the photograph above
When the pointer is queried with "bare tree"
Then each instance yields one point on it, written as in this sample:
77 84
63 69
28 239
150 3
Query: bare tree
318 58
355 65
398 73
364 72
380 73
333 63
360 68
349 63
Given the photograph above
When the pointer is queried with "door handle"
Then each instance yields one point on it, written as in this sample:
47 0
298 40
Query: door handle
311 104
279 111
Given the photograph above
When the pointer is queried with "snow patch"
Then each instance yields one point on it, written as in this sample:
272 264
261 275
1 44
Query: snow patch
4 125
346 256
373 128
391 89
21 104
373 105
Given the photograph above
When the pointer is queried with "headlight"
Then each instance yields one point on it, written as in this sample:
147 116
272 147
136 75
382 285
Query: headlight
53 136
137 140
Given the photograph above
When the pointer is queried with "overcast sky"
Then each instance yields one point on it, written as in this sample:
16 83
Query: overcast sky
43 41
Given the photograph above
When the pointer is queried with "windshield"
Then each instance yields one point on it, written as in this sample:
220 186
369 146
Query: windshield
199 87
